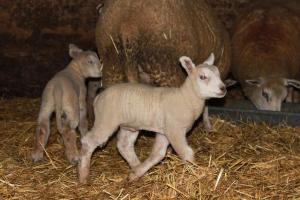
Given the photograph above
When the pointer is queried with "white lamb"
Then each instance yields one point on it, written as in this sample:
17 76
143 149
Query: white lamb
170 112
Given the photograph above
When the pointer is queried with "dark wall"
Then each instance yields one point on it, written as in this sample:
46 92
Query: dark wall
34 36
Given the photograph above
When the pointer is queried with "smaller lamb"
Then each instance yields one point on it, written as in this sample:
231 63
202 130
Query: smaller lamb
65 94
170 112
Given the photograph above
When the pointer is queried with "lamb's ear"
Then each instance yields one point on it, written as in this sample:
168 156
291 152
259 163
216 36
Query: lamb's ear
74 50
210 60
256 82
230 82
187 64
292 82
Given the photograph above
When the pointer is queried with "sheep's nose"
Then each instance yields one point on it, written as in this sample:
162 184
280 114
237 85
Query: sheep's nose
223 88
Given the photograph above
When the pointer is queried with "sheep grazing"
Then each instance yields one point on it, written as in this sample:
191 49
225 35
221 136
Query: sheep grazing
170 112
65 94
265 47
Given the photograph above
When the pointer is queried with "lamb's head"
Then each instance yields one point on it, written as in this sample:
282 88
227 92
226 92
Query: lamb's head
268 93
205 77
88 62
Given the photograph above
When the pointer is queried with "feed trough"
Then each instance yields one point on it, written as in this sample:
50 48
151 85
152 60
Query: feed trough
245 111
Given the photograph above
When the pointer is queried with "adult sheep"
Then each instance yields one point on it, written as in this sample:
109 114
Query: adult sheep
141 41
265 48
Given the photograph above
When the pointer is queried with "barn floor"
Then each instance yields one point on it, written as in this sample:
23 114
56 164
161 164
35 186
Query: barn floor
244 161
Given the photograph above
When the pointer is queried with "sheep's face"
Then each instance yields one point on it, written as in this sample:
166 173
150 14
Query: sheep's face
205 77
88 62
268 93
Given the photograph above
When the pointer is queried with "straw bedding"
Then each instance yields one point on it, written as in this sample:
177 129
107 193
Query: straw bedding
235 161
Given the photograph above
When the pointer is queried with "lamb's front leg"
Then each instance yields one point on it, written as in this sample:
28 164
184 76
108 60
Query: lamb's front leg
158 153
177 139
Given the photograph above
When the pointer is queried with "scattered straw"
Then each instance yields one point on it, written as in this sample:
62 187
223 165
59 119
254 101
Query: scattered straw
48 156
112 40
8 183
236 161
219 178
185 195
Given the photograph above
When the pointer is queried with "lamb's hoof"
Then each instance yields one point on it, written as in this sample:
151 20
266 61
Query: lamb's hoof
82 181
37 156
83 175
133 176
208 127
208 130
74 159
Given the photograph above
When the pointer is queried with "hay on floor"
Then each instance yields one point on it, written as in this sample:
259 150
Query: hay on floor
235 161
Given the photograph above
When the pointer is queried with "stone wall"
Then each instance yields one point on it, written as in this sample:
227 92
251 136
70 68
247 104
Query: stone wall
34 37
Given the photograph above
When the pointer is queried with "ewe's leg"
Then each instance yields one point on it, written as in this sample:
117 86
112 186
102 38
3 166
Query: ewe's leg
206 122
125 144
293 95
158 153
42 132
296 96
98 136
180 145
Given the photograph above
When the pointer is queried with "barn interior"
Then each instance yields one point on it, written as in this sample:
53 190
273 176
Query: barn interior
236 160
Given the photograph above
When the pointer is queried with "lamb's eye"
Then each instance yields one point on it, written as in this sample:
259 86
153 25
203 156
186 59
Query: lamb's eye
90 62
265 95
203 77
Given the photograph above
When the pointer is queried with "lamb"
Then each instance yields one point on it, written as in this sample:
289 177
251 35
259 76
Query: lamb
265 48
170 112
65 94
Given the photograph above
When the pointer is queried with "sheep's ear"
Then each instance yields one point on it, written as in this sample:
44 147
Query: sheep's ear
187 64
230 82
210 60
292 82
74 50
101 63
256 82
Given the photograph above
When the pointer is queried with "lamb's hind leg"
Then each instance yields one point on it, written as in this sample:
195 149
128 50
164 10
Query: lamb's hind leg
70 137
42 132
69 121
158 153
125 144
98 136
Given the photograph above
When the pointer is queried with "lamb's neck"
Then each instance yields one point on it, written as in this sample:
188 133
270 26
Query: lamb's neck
191 98
74 68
